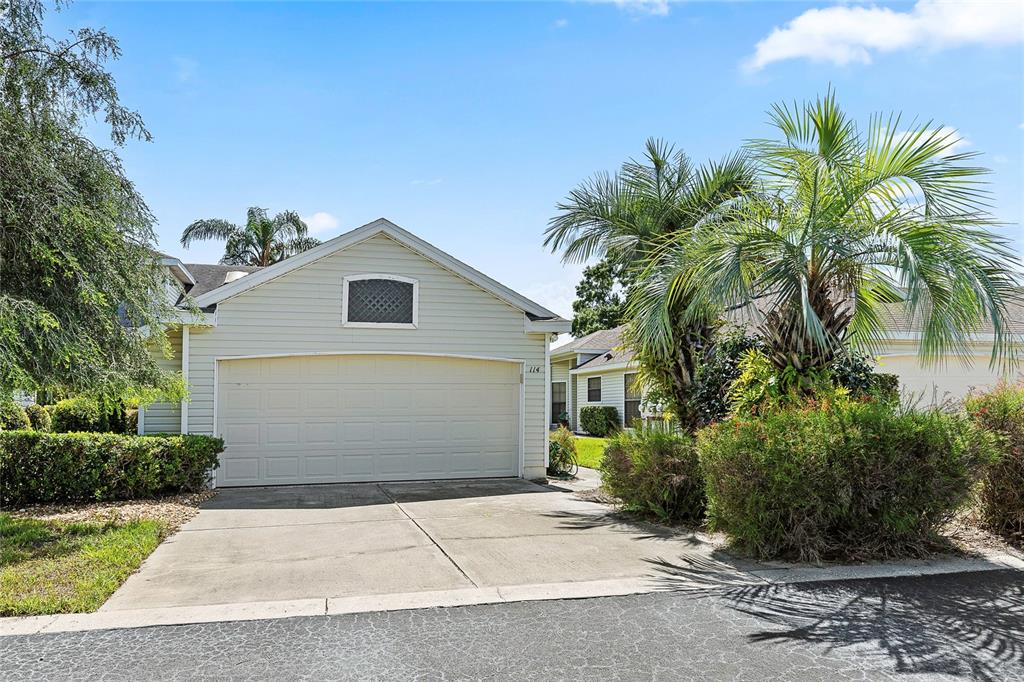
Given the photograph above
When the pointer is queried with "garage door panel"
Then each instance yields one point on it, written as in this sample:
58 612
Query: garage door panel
364 418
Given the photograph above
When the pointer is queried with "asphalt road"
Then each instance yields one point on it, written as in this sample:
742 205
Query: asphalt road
966 626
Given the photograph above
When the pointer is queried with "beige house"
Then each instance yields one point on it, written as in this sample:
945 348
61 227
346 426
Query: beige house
598 370
372 357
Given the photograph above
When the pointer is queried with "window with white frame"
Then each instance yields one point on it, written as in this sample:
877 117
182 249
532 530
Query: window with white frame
389 301
594 390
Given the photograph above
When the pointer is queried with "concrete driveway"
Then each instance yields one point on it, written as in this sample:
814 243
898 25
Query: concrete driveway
332 541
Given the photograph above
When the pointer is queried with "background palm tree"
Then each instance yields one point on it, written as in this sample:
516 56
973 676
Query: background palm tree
261 241
850 222
628 219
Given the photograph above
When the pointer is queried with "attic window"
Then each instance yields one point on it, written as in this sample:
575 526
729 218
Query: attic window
384 301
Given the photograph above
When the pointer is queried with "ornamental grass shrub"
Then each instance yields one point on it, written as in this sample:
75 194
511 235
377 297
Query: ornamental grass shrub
561 453
37 467
655 471
1001 497
840 480
599 420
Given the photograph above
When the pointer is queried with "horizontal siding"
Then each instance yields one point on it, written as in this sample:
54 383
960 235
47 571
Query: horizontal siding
953 380
166 417
613 391
300 312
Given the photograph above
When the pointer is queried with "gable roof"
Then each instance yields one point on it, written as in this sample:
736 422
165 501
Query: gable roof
597 342
403 237
210 277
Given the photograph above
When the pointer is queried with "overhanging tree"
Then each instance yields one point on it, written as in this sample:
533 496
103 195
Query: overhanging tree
75 235
600 299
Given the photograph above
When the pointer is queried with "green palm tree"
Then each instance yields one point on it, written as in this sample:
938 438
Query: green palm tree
850 224
261 241
628 219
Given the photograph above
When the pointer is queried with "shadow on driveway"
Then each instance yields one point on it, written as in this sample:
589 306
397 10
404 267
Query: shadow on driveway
348 495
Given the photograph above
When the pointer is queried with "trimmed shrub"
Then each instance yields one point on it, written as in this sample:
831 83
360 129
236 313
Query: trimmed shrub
40 467
851 480
75 414
655 471
562 453
13 416
38 417
1001 499
599 420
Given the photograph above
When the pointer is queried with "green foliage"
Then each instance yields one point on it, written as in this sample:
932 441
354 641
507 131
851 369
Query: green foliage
885 387
599 302
561 453
599 420
79 279
261 241
13 416
86 413
75 414
86 467
654 471
761 387
38 417
847 481
1001 411
716 372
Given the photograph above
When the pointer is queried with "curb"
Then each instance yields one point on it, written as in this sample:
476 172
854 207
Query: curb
326 606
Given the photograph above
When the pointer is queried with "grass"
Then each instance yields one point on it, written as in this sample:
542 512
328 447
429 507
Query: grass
60 567
589 451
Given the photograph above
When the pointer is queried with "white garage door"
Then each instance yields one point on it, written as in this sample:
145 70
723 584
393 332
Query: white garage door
338 418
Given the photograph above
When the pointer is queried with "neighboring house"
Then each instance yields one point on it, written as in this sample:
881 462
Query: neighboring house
372 357
594 370
598 370
953 378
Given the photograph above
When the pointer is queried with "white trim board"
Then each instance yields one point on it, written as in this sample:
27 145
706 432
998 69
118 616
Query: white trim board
602 368
379 226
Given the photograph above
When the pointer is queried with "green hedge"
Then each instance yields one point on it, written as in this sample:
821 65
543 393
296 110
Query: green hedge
599 420
38 467
656 472
13 416
853 480
1001 498
38 417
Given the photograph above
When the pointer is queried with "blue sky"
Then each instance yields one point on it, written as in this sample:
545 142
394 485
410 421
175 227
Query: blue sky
466 122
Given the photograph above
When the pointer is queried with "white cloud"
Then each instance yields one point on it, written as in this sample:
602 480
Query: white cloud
321 221
427 183
846 34
959 142
560 23
185 69
657 8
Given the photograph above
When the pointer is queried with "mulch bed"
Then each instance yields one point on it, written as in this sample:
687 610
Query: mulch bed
173 511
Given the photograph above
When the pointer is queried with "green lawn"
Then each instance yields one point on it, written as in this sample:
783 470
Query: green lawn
60 567
589 451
